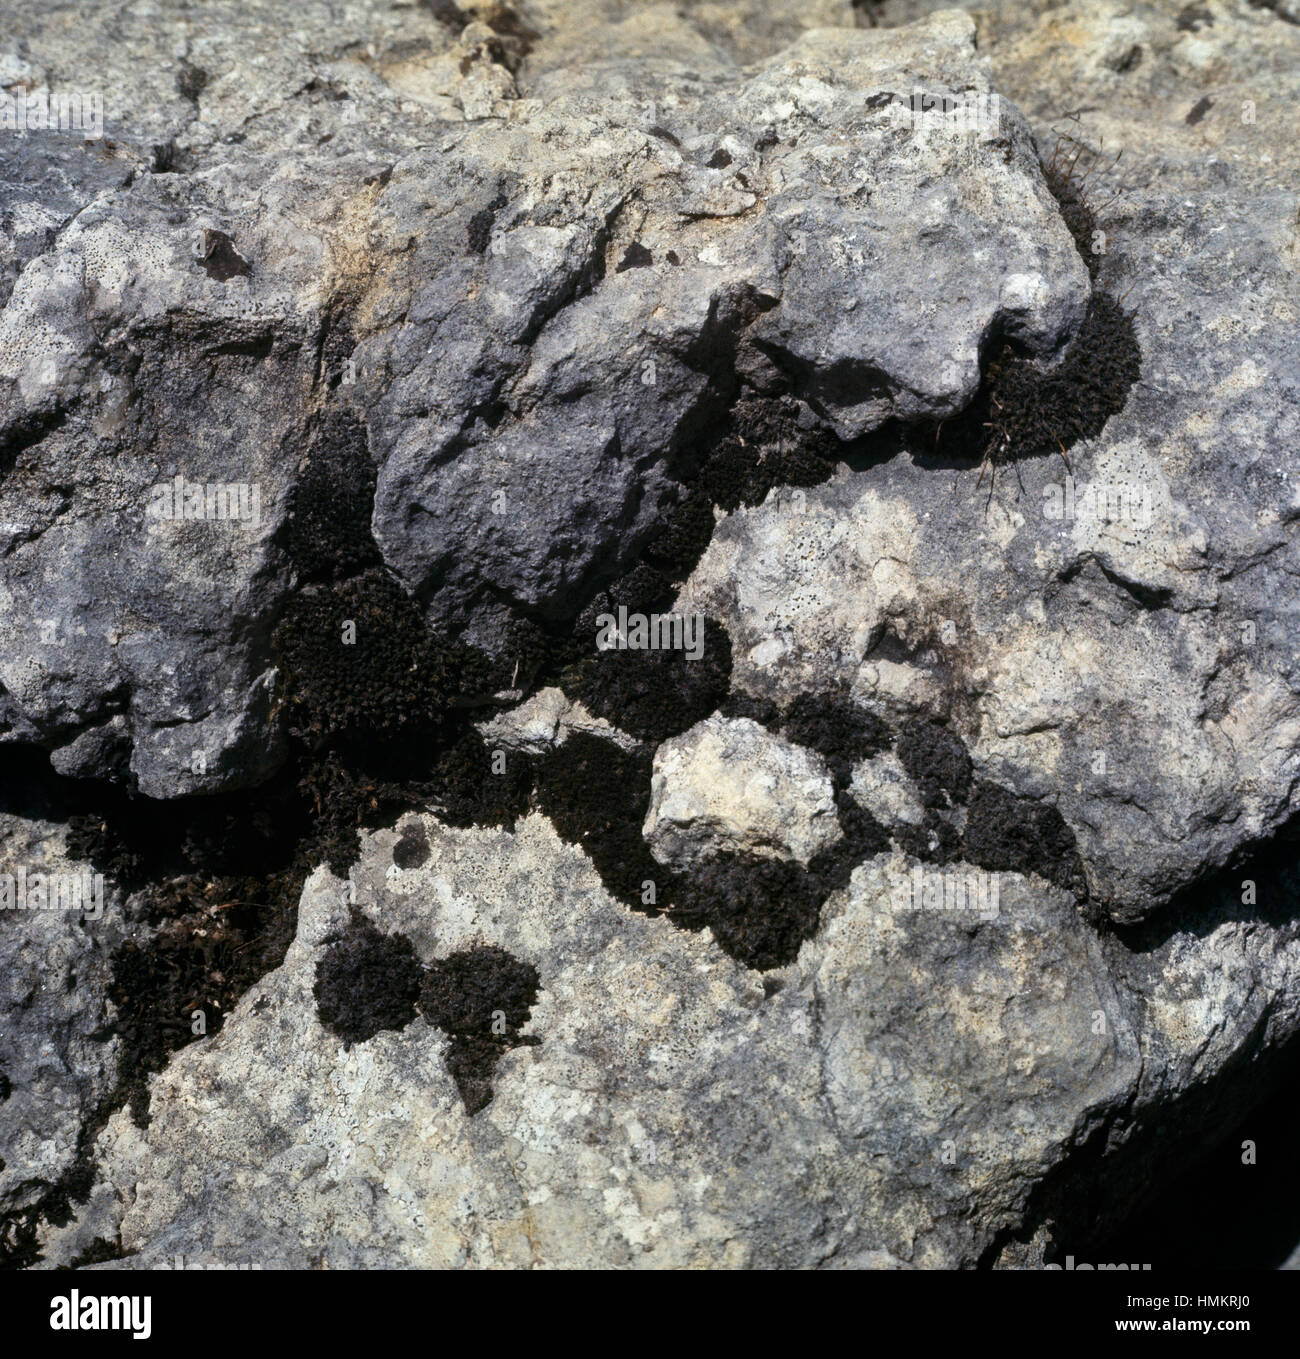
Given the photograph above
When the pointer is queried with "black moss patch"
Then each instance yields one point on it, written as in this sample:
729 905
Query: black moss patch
863 836
191 80
636 256
760 710
359 664
137 841
475 786
367 982
478 234
99 1252
597 796
934 841
766 446
1068 188
217 937
937 761
760 910
1018 835
217 881
345 799
6 1088
1023 410
481 998
220 259
412 847
654 694
478 989
678 541
837 728
328 531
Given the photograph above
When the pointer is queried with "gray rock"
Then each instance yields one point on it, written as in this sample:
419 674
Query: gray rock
1119 648
729 784
882 786
58 1058
524 395
911 1079
422 224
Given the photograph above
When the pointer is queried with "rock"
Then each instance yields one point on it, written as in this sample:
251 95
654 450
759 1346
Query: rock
881 785
971 909
730 784
58 1058
544 720
526 399
914 1078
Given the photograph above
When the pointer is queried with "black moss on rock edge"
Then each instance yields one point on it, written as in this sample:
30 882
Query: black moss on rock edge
1025 410
1012 834
481 998
366 982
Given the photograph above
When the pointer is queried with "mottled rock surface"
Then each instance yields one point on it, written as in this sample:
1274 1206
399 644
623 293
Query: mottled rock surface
730 784
894 1098
975 828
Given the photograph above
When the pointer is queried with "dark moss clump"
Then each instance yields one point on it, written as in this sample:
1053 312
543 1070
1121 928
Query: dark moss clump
99 1252
217 936
1031 411
365 983
1024 410
344 799
765 447
328 533
412 847
1067 188
760 910
1018 835
678 541
636 256
934 841
135 841
481 998
6 1088
655 694
98 840
644 589
936 760
833 725
359 663
478 989
478 234
475 786
760 710
863 836
597 797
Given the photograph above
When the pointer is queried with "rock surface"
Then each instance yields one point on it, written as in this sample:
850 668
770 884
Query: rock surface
730 784
501 303
894 1098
